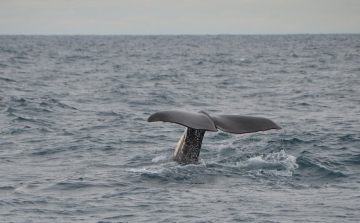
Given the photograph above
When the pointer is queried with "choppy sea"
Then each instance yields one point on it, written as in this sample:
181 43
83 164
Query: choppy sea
75 144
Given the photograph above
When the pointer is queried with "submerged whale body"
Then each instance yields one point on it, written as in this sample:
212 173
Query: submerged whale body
188 147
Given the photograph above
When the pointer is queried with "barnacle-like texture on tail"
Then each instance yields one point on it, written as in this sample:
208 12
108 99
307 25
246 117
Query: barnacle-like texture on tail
188 147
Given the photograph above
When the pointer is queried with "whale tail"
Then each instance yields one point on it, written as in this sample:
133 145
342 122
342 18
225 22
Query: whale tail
188 147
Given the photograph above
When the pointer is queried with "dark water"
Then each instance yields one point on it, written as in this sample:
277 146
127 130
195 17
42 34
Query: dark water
75 145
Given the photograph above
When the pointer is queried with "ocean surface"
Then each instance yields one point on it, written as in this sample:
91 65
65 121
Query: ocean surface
75 144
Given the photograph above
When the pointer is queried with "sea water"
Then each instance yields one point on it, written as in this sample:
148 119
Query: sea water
75 144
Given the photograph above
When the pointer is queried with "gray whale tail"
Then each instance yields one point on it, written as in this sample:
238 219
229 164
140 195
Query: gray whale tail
188 147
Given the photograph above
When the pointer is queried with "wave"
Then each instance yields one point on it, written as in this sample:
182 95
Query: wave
297 172
278 164
316 171
278 161
6 79
353 160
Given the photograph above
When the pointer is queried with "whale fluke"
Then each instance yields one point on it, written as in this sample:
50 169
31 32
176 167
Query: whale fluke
199 120
188 147
240 124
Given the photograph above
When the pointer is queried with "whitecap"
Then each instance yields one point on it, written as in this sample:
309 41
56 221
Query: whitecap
226 150
278 163
147 170
159 159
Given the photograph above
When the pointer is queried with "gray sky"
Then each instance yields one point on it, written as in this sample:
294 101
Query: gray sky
152 17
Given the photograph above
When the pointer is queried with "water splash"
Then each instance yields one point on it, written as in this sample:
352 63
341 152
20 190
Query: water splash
278 164
159 159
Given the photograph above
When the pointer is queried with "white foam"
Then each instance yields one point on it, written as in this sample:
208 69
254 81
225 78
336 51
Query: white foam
157 168
159 159
226 150
279 163
149 170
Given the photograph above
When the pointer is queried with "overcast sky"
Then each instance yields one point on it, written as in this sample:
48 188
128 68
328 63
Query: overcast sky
154 17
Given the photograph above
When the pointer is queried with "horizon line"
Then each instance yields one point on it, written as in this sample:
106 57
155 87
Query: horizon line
263 34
